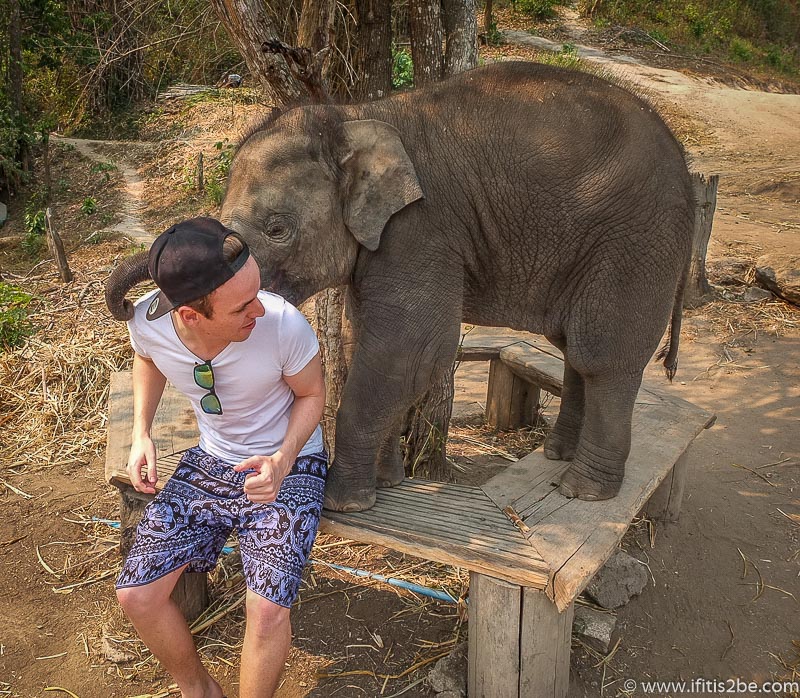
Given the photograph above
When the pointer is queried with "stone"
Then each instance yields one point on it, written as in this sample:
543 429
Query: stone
448 678
620 579
754 293
780 273
115 654
594 627
3 213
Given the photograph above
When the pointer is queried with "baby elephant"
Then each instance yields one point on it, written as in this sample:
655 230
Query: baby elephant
516 195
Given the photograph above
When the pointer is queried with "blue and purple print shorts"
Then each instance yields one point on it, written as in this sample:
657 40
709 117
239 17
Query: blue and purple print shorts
190 520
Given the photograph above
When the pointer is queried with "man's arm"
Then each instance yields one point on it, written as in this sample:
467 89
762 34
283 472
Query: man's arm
148 386
308 387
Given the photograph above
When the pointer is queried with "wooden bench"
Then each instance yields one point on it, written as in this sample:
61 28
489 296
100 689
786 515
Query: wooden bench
524 576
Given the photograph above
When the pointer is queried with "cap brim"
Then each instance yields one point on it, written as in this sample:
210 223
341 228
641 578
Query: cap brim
159 306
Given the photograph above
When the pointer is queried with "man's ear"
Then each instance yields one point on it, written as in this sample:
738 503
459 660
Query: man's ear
189 316
382 179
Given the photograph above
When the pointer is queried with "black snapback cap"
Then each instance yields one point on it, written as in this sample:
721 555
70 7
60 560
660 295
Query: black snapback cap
187 262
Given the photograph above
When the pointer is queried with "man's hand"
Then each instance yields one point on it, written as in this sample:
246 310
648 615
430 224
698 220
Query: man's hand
142 465
263 485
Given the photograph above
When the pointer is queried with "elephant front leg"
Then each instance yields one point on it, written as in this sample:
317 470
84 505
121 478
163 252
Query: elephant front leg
605 438
372 404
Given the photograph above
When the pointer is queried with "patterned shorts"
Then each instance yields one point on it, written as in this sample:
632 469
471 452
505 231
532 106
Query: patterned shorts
192 517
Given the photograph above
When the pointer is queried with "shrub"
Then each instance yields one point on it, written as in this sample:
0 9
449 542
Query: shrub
218 174
14 323
741 49
537 9
89 206
35 222
402 68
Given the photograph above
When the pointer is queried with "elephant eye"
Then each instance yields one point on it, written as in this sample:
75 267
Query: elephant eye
279 227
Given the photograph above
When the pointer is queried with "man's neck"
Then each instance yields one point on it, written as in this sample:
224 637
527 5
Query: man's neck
201 345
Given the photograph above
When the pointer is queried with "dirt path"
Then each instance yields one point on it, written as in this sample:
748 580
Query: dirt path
131 225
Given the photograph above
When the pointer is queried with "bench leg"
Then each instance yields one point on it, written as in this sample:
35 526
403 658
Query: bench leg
665 503
511 402
519 644
191 591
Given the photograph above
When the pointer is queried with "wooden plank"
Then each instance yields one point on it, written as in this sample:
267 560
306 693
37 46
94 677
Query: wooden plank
494 638
174 426
545 643
533 574
534 366
575 538
505 397
511 486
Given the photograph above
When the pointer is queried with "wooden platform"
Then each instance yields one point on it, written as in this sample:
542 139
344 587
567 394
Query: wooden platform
560 544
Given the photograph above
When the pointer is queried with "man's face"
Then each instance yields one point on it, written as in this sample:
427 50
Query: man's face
235 306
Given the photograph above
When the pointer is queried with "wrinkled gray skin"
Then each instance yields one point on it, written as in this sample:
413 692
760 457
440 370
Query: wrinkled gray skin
515 195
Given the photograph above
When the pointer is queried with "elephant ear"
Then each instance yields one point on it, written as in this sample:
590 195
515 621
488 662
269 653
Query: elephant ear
382 179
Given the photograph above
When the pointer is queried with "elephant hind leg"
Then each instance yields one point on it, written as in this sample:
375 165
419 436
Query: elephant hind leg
562 441
598 467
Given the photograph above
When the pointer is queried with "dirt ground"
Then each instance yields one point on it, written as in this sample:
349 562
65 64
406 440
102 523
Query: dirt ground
724 597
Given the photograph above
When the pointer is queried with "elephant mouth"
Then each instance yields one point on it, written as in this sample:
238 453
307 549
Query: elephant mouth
281 285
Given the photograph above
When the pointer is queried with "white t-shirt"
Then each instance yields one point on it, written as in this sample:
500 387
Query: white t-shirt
248 377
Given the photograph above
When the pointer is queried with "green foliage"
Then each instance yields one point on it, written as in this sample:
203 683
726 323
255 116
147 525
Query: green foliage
494 37
402 68
88 206
35 223
14 323
741 50
758 32
103 168
217 174
537 9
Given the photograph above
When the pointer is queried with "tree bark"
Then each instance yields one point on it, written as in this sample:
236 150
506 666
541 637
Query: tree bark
698 290
374 53
15 58
249 25
426 41
57 250
487 18
461 36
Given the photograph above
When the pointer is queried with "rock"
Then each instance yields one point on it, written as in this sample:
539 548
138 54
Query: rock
3 213
780 274
621 578
754 293
594 627
448 678
115 654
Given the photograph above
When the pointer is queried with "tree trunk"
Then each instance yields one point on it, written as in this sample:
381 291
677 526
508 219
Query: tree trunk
426 41
487 18
426 437
698 290
249 25
15 58
374 53
461 36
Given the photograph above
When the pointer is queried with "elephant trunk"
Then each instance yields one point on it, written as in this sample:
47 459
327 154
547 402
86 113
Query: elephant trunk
131 272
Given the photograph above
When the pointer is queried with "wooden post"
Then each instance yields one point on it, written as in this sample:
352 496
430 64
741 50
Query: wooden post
665 503
519 644
511 402
57 249
191 591
698 290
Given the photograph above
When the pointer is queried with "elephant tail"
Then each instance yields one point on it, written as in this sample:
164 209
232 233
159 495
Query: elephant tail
131 272
669 352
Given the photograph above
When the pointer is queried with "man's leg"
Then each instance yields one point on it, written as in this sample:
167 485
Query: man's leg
162 627
267 637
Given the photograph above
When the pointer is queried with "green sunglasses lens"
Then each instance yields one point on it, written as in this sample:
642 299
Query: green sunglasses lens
211 404
204 376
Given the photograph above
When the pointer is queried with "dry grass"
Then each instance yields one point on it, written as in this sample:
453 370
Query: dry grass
54 389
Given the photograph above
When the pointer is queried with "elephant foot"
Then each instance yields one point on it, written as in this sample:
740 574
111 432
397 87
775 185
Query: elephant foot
391 472
340 497
559 447
576 484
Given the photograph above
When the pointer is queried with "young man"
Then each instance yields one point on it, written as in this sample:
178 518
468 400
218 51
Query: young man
249 362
